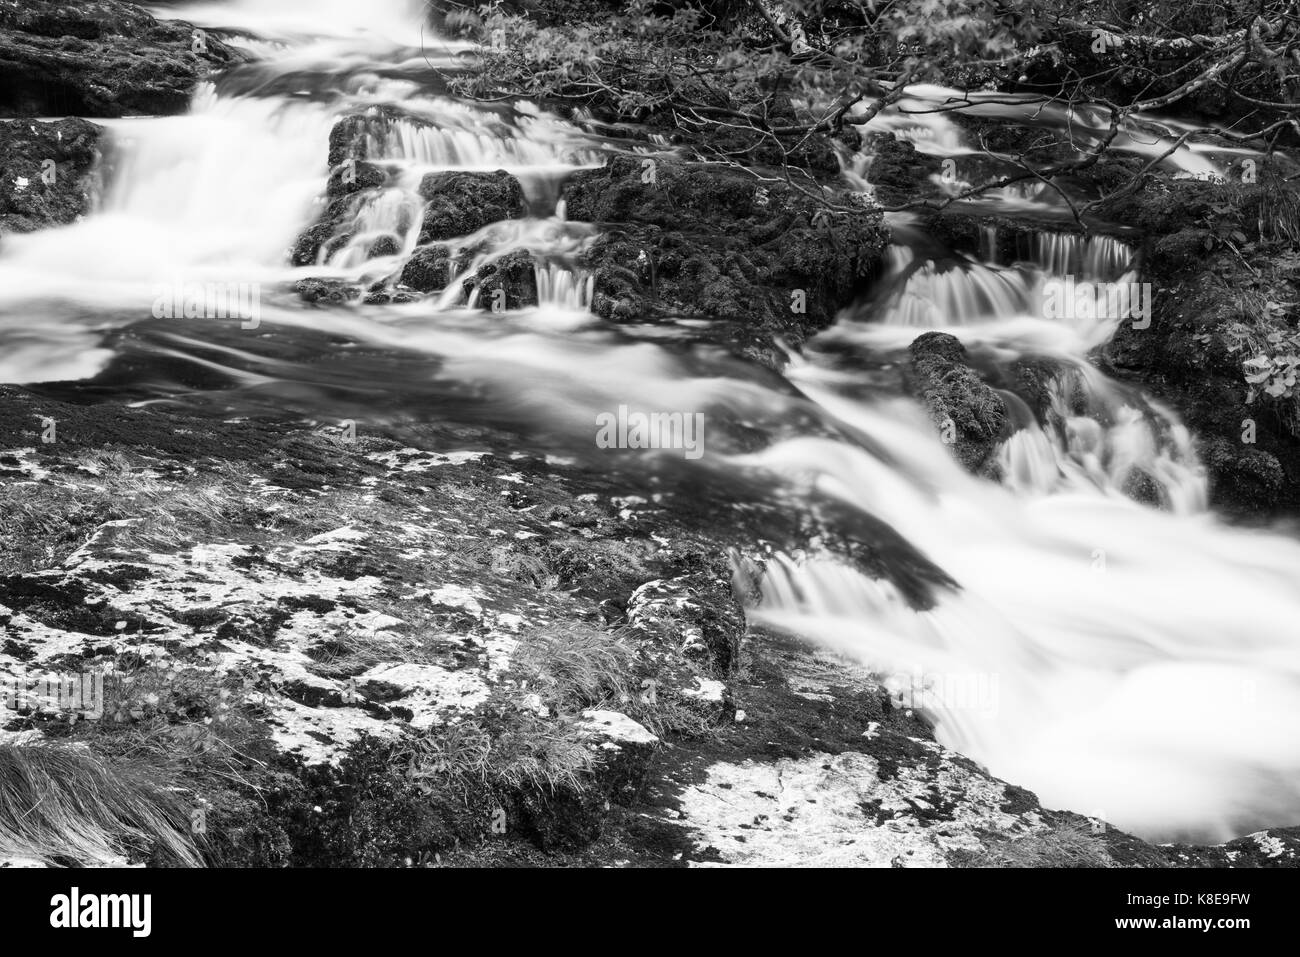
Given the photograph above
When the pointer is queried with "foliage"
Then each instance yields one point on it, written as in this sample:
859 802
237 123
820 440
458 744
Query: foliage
776 83
1275 363
726 87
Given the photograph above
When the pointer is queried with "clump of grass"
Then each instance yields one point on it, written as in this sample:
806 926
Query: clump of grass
527 754
181 720
574 666
503 559
48 521
580 666
596 564
65 806
43 527
513 749
1068 846
1279 209
352 650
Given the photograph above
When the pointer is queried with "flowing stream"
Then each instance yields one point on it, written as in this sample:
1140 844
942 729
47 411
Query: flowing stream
1128 656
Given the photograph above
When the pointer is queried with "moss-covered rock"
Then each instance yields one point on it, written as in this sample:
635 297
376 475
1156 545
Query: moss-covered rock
50 174
692 240
105 58
971 417
1224 278
899 171
429 269
459 203
506 283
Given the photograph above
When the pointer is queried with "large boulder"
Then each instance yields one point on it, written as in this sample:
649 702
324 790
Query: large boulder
429 269
48 172
899 172
460 203
103 58
695 240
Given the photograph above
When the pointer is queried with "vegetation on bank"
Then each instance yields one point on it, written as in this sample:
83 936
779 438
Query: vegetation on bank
760 84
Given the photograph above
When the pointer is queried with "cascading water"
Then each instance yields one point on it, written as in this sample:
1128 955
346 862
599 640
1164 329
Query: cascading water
1134 660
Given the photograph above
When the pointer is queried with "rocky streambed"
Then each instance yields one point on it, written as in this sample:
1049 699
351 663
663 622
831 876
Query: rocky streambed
322 637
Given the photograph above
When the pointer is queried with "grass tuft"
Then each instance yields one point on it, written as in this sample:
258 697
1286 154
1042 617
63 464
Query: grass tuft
1068 846
65 806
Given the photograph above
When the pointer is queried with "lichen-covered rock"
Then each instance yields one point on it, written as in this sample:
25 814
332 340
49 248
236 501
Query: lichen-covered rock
625 747
970 416
1275 847
49 172
340 639
104 58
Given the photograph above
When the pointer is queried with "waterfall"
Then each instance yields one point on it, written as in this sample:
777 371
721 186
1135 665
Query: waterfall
1105 642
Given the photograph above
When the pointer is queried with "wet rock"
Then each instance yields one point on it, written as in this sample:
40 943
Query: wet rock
353 179
383 246
355 134
429 269
899 171
685 642
317 630
325 236
383 293
970 416
507 283
459 203
1207 320
48 174
761 256
102 59
327 291
848 809
1243 480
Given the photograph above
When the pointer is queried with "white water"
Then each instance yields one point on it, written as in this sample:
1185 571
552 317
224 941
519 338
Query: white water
1146 664
915 118
1141 664
387 23
219 194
